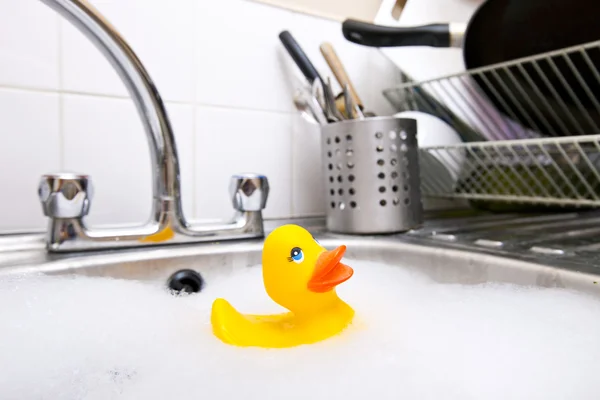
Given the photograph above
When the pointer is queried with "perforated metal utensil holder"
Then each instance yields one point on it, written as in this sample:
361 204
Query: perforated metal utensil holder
371 171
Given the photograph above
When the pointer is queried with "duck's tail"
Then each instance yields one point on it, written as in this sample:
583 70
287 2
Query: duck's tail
225 320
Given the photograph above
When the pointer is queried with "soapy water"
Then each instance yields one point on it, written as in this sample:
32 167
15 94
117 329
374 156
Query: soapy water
99 338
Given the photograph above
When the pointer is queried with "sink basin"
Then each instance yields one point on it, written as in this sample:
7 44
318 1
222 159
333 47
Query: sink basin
440 359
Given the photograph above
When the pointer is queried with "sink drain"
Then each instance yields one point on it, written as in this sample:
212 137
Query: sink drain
186 280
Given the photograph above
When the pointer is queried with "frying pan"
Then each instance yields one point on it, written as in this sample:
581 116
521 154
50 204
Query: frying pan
553 98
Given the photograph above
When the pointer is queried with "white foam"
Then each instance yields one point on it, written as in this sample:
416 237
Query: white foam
93 338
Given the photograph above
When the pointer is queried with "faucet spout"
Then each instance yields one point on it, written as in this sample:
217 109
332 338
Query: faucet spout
66 198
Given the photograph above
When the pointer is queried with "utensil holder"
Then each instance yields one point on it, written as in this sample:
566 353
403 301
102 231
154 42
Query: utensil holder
371 173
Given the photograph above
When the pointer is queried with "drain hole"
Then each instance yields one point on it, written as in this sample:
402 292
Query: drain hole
381 175
185 280
353 204
351 191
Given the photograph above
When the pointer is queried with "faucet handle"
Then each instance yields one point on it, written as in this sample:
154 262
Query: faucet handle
249 191
65 195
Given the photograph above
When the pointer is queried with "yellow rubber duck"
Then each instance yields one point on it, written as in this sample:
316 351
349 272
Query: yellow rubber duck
300 275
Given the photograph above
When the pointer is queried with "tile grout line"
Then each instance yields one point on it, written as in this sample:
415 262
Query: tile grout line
292 159
117 97
61 102
194 171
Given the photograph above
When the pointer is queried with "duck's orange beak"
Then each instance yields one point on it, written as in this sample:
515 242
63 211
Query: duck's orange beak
329 271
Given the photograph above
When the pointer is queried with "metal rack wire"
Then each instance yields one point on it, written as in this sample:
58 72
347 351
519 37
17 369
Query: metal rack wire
530 127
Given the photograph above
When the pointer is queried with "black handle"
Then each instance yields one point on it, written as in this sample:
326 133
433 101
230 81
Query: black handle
434 35
300 58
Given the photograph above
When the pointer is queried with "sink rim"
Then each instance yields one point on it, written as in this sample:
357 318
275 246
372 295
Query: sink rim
31 257
493 267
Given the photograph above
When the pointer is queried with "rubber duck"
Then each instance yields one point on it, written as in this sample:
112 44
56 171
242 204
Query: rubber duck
300 275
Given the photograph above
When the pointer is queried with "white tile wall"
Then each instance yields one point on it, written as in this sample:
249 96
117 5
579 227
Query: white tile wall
237 54
29 43
309 190
227 83
30 147
161 34
229 141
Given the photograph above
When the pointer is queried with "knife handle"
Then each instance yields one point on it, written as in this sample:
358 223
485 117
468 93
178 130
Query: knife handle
339 71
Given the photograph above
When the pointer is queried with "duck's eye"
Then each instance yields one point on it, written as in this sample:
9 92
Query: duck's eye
296 255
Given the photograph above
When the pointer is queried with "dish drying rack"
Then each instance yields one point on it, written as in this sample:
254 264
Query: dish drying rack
544 150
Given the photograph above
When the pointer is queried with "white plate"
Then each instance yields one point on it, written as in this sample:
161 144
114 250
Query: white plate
440 168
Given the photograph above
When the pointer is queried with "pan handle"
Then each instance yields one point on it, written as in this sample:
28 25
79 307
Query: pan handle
299 56
433 35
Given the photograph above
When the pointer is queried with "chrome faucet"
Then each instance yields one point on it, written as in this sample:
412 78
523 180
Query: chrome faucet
66 197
